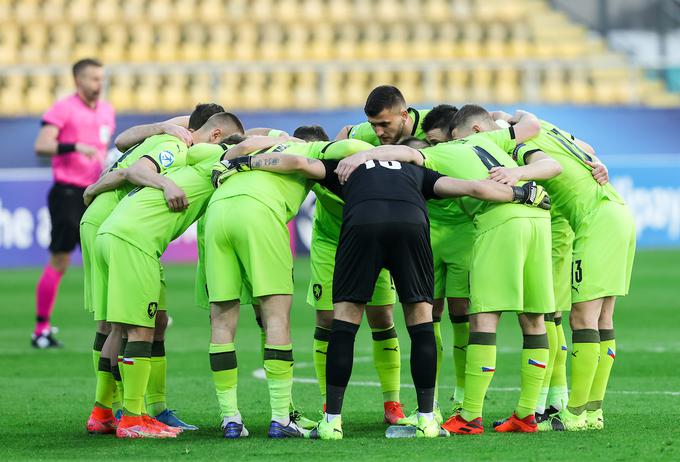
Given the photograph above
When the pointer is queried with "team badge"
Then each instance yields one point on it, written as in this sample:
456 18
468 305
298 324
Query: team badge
317 291
167 158
151 309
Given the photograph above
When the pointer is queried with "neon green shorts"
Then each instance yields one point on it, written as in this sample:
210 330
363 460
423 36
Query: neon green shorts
562 244
126 284
604 250
452 250
511 268
246 244
88 234
322 260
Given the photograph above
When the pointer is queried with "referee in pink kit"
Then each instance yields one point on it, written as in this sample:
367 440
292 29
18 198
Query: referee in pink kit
75 133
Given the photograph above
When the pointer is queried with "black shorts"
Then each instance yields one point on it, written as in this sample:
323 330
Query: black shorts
366 248
66 206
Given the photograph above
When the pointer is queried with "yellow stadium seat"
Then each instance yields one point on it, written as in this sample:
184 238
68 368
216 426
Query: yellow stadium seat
121 92
64 84
433 85
10 37
320 43
147 94
217 48
396 42
133 10
279 91
347 44
339 11
252 91
36 39
62 37
141 44
108 12
461 10
421 43
80 11
579 90
447 43
245 41
53 12
287 11
228 92
389 12
160 12
456 86
262 11
355 88
88 41
470 44
519 42
114 45
296 46
174 93
553 88
372 44
39 93
312 11
435 11
26 11
12 95
167 48
187 11
496 39
305 94
409 82
480 88
271 45
201 88
506 87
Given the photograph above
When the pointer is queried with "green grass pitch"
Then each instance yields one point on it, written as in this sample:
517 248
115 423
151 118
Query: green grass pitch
45 396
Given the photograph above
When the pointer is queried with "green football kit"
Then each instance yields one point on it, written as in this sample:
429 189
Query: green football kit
130 242
511 250
253 252
166 152
604 229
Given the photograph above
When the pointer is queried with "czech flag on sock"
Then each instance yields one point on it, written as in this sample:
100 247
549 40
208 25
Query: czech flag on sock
488 369
533 362
128 361
611 353
564 347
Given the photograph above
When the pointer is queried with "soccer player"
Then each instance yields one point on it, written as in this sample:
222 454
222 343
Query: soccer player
179 127
75 133
388 121
384 209
131 298
602 260
436 123
252 255
522 280
155 155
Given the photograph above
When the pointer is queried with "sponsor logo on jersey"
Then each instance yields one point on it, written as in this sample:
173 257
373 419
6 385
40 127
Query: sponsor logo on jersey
317 290
533 362
152 309
488 369
167 158
611 353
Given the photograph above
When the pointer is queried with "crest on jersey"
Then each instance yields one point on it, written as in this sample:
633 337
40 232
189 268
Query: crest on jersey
167 158
317 291
152 309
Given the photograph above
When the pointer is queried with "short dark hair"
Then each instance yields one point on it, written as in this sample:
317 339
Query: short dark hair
439 117
201 113
225 119
413 142
381 98
80 66
236 138
464 114
311 133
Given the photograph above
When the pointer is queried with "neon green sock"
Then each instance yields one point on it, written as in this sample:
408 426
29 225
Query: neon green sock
118 393
551 332
225 376
105 384
479 370
558 395
387 361
535 353
156 389
461 333
437 325
320 350
137 366
278 367
584 359
99 340
604 368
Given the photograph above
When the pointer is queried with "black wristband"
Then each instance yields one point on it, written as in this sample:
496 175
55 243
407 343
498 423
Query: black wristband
240 161
519 195
65 148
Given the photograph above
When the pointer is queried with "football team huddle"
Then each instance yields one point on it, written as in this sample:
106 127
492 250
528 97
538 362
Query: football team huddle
483 212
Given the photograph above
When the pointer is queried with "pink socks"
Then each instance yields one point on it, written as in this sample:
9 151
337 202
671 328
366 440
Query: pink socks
45 294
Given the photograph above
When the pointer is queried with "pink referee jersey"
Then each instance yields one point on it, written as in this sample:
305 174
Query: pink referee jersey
79 123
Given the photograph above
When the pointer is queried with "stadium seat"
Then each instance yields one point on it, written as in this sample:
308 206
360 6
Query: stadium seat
141 44
167 48
174 93
200 44
39 93
12 95
201 88
121 92
148 92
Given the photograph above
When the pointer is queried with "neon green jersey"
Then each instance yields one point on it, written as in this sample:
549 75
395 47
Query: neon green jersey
364 131
143 218
165 151
574 193
284 194
471 158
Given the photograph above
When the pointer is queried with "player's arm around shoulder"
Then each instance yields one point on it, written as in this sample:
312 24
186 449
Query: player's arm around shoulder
525 126
343 134
144 173
399 153
107 182
176 127
253 144
275 163
538 166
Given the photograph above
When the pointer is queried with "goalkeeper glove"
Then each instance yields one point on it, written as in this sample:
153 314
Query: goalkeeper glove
531 194
226 168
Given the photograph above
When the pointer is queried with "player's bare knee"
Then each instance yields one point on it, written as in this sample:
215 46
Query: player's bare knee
585 315
458 306
60 261
140 334
417 313
484 322
103 327
324 318
532 323
606 319
380 317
